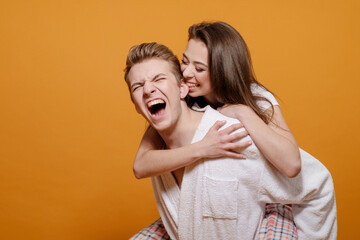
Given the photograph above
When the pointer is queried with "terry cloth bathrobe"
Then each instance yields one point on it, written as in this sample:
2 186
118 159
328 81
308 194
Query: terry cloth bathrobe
225 198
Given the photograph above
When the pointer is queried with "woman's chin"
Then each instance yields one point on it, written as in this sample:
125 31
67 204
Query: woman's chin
194 94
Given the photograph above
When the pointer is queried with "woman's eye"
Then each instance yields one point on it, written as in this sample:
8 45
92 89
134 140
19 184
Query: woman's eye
184 62
199 69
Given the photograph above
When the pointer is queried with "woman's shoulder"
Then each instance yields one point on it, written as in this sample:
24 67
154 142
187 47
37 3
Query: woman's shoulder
260 91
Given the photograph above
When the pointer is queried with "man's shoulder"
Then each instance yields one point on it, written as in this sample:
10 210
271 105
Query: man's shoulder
215 115
209 118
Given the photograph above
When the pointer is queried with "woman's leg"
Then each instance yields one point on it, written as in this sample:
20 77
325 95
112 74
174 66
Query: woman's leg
278 223
155 231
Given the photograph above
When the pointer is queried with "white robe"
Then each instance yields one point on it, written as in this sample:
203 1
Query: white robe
225 198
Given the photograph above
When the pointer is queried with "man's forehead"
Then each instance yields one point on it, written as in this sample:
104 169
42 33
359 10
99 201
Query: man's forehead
148 69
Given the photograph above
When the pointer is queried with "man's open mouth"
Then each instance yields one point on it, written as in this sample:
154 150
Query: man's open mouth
156 106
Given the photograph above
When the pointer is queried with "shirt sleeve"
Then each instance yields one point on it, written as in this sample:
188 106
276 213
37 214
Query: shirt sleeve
262 92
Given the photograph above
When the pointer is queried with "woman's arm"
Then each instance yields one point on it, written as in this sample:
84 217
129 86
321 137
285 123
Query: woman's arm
152 159
274 140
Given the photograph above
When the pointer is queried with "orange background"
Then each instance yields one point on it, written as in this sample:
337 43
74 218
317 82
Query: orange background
69 132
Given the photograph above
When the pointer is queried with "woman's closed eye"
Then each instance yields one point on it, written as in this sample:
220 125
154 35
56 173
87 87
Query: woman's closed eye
183 61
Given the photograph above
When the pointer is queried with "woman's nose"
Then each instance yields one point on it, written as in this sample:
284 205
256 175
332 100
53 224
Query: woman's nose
188 72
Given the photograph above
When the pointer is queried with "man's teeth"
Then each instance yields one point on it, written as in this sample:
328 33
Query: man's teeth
156 101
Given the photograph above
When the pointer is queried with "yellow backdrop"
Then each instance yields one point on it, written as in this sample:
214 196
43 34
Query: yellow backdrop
69 132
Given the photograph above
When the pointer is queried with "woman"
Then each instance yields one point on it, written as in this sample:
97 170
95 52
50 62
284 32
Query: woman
217 68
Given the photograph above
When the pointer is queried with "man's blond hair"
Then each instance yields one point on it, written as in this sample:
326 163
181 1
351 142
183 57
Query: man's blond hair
145 51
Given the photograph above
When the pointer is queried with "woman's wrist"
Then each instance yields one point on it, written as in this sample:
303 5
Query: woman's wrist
197 150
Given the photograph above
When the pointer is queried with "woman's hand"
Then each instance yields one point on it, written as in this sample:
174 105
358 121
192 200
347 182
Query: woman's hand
152 160
224 143
274 140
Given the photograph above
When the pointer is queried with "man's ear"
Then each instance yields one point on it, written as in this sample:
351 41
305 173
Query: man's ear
184 89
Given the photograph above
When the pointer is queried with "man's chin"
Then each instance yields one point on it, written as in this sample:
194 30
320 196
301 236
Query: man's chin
160 126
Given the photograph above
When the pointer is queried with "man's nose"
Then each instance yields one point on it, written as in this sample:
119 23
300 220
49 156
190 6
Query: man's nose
149 88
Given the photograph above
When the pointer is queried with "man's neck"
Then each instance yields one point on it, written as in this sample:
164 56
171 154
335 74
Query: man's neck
184 130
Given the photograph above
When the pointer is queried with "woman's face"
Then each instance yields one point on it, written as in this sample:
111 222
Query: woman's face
195 69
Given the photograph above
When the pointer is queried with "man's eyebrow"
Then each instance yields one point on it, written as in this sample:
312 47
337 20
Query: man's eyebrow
154 78
197 62
158 75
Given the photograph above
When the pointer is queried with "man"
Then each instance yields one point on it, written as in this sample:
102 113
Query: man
222 198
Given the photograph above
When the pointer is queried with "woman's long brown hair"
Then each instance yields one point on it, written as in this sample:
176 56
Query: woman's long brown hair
231 71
